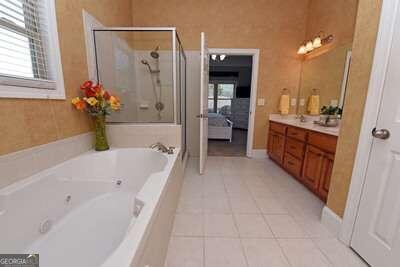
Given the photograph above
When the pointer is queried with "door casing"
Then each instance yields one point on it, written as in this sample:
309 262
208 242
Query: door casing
255 53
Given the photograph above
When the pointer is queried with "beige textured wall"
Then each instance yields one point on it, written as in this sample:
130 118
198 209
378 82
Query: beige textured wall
332 17
275 27
360 69
323 68
25 123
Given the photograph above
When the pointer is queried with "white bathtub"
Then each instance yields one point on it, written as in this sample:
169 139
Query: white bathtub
93 205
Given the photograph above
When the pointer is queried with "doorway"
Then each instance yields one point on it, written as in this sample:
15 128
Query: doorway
231 89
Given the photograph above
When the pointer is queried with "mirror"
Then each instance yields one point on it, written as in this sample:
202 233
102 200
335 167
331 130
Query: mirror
325 75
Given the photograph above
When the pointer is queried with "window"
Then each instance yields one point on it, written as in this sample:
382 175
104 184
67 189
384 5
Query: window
220 95
30 64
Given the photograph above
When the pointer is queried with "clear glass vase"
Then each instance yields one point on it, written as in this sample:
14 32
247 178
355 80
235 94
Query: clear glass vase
101 143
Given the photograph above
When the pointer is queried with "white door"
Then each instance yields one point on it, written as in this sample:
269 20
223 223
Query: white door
203 102
376 235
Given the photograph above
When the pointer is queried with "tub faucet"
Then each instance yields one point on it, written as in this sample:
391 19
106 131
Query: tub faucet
163 148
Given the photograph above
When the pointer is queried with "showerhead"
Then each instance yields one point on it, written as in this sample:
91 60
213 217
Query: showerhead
154 54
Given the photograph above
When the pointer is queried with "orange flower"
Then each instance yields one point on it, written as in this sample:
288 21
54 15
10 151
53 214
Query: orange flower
78 103
81 105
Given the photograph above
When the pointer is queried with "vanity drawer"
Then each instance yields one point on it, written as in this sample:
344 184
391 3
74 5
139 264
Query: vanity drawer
323 141
277 127
295 148
292 165
297 133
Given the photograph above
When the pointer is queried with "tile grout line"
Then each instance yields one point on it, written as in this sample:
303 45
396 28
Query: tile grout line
322 252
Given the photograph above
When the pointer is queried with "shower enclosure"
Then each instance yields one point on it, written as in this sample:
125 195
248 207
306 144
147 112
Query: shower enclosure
146 68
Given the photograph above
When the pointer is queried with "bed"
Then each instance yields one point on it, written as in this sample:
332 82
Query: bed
219 127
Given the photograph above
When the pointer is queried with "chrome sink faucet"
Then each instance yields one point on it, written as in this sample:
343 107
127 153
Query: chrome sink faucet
302 118
163 148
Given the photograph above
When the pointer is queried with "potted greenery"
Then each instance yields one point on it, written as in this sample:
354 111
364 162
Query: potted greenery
330 115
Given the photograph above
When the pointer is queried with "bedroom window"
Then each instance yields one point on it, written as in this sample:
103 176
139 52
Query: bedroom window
30 63
220 95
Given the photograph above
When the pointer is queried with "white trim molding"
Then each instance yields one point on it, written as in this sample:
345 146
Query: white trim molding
90 23
255 53
331 221
371 112
259 153
54 88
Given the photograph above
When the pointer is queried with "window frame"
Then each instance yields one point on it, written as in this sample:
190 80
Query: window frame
33 88
215 98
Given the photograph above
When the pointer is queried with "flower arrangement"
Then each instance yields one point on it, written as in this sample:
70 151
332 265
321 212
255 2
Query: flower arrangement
98 103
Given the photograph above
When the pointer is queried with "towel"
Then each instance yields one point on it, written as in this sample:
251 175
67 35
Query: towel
313 105
284 104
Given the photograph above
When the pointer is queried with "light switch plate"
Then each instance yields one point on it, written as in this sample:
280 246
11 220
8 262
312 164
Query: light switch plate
302 102
260 102
293 102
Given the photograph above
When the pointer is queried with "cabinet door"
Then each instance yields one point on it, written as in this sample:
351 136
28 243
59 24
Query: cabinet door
326 173
312 167
276 146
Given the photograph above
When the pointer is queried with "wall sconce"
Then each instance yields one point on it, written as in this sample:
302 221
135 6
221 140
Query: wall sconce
315 43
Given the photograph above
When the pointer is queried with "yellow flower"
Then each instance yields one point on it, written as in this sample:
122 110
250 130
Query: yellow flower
75 100
91 101
115 103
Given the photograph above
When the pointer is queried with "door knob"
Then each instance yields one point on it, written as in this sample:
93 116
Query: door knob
381 133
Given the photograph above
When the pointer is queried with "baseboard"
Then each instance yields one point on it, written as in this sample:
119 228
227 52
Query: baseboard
259 153
331 221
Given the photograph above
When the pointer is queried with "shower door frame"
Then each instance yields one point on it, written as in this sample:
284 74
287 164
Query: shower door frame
174 38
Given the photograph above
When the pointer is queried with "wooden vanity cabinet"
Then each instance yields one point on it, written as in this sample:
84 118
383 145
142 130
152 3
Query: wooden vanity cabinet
326 173
305 154
312 167
276 142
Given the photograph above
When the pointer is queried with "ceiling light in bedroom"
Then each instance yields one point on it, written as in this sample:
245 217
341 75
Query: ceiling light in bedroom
214 57
222 57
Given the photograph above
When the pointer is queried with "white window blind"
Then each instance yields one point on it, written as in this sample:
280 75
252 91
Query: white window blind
24 38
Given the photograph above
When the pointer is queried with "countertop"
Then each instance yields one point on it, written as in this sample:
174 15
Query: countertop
309 124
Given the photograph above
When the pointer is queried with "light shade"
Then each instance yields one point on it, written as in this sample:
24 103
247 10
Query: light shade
302 50
222 57
309 46
214 57
317 42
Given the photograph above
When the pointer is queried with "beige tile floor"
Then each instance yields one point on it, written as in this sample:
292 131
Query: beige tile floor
245 212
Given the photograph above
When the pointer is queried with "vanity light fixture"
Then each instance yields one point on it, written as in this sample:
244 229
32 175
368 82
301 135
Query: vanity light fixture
302 50
315 43
309 46
215 57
